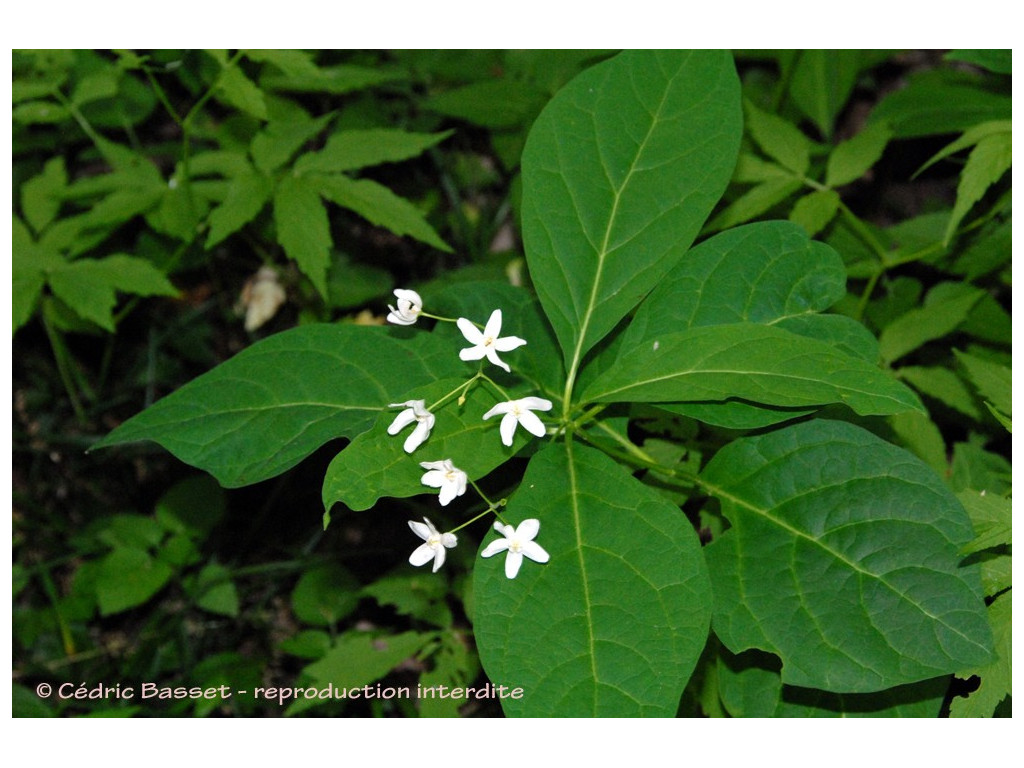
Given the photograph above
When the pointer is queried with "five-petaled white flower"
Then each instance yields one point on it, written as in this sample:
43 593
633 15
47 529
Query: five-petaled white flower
521 412
519 542
487 343
415 411
434 546
446 476
409 307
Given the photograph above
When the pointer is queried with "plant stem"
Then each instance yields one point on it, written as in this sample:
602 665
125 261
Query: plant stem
60 354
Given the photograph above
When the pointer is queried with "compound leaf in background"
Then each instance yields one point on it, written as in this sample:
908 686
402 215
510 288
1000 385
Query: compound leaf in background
995 677
619 172
941 313
348 150
614 623
842 559
271 405
303 229
822 82
850 160
988 161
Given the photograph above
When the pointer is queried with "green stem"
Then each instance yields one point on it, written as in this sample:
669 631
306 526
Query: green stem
438 317
461 389
60 354
490 508
494 384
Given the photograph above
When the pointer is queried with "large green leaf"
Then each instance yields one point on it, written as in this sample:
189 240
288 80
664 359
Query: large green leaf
756 363
614 623
273 404
619 172
842 559
375 464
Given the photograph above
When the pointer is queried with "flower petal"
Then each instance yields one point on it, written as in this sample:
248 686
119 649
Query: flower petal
493 327
434 479
473 353
496 546
508 428
418 435
424 553
449 491
493 357
499 408
513 562
508 343
532 424
534 551
528 529
433 464
535 404
470 331
421 530
439 554
402 420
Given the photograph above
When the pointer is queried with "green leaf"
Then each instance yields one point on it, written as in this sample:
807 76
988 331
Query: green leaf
191 507
999 61
357 659
995 677
815 210
754 202
970 138
239 91
854 157
380 206
780 140
303 229
127 578
614 624
333 80
325 595
292 63
215 592
349 150
991 518
271 405
940 102
352 284
496 103
419 594
842 559
41 195
933 320
993 381
619 172
988 161
755 363
821 83
98 85
88 286
750 686
279 140
942 384
375 463
247 194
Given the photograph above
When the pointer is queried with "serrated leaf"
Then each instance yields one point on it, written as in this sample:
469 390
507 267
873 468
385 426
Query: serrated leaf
292 63
854 157
943 385
88 286
614 624
988 161
303 229
815 210
755 363
247 194
991 518
349 150
41 195
999 60
619 172
754 202
970 137
375 463
842 559
750 686
335 80
780 140
239 91
495 103
271 405
926 323
279 140
822 82
380 206
358 659
996 677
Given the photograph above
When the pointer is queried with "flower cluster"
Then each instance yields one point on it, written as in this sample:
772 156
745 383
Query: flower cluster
451 481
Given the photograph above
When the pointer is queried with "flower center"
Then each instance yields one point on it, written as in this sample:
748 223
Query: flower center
434 541
515 546
488 341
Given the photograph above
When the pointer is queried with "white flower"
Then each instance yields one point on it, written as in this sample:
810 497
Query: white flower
487 343
261 297
521 412
414 412
434 548
446 476
519 542
409 307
